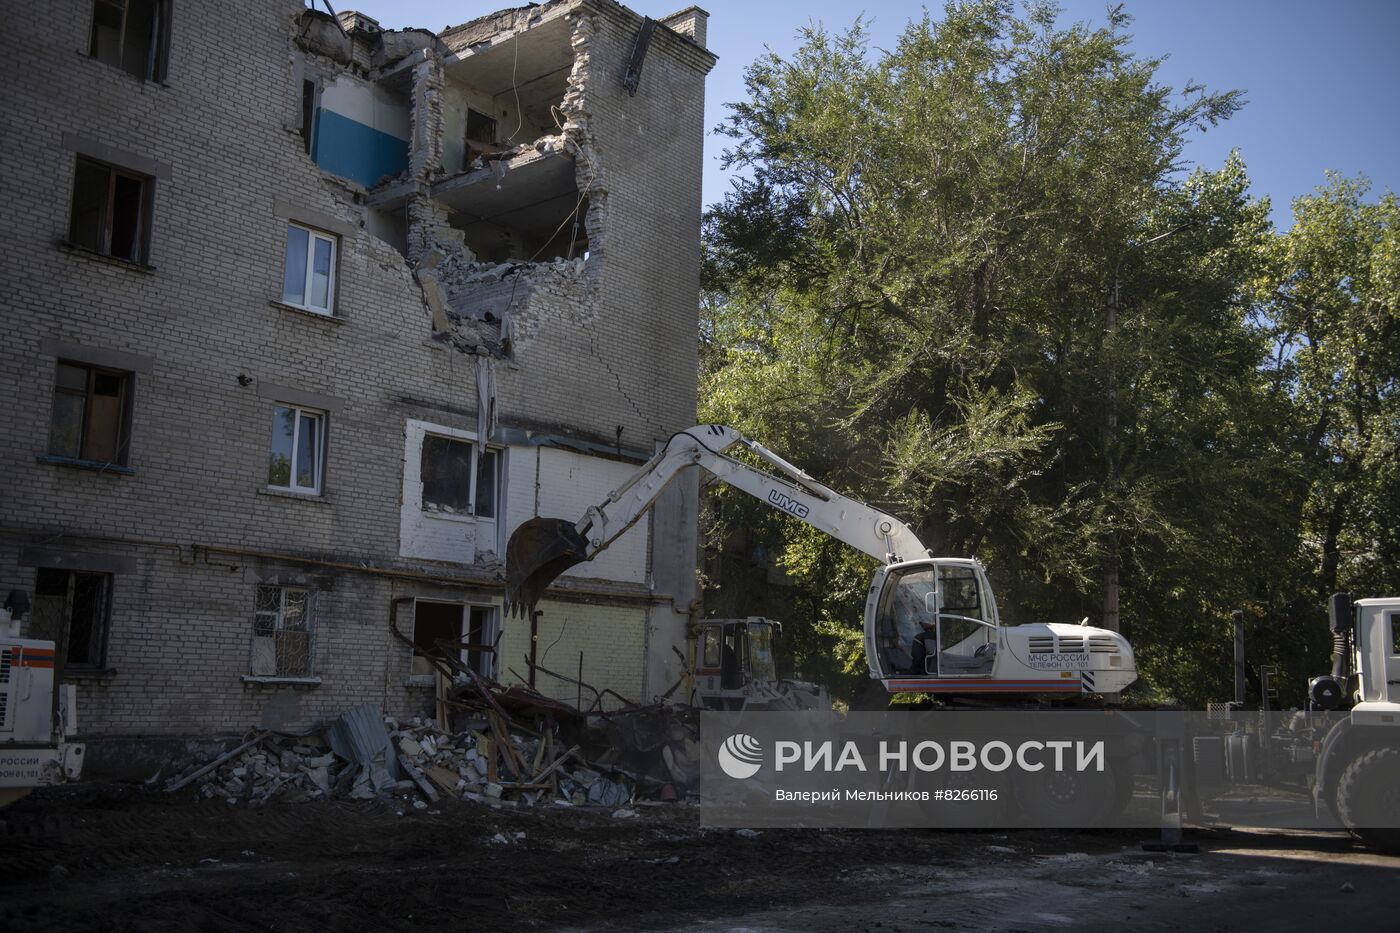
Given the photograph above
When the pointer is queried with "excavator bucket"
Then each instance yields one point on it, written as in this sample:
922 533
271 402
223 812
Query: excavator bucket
538 552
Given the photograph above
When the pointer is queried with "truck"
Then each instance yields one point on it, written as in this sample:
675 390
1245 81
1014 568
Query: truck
1344 745
932 625
734 665
38 715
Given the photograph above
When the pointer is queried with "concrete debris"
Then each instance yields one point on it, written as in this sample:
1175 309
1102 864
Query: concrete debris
507 747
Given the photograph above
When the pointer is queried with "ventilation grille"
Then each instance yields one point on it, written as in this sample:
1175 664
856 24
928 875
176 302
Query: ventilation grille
1072 644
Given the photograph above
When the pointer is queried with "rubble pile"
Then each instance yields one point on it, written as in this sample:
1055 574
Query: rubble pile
504 747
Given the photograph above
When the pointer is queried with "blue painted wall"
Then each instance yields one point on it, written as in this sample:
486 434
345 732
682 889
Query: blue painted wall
352 150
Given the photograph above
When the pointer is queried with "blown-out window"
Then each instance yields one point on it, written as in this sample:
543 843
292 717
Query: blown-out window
459 478
133 35
91 417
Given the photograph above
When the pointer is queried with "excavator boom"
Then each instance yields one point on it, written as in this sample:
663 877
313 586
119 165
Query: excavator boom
542 548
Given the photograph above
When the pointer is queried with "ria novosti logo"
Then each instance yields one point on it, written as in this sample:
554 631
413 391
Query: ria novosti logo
741 756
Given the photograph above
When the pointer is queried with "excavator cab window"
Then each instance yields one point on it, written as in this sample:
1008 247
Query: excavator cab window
709 648
732 652
761 666
948 599
907 601
966 639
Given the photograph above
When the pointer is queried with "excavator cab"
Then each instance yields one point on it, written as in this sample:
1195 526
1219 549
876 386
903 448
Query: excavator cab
932 618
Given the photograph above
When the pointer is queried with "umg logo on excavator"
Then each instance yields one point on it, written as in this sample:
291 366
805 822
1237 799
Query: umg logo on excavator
787 503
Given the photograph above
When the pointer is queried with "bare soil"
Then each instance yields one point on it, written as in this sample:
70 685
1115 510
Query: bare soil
118 858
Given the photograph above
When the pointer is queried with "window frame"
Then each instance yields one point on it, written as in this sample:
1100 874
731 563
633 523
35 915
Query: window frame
158 53
98 641
463 437
486 655
141 235
323 420
313 234
309 615
124 414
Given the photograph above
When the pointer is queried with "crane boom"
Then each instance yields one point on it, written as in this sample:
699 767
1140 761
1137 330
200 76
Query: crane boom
542 548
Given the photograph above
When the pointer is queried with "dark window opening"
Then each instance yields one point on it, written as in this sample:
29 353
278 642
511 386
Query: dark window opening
71 609
438 632
481 130
446 474
480 647
91 414
485 499
111 210
308 114
433 625
133 35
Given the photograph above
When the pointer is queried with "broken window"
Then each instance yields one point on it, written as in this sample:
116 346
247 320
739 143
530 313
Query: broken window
91 414
438 631
480 134
308 114
298 445
458 479
283 632
133 35
71 609
308 280
111 210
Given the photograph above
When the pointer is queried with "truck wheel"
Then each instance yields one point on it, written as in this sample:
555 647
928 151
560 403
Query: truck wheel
1370 785
1070 799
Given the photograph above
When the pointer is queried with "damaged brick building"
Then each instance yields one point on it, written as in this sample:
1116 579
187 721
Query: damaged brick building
305 316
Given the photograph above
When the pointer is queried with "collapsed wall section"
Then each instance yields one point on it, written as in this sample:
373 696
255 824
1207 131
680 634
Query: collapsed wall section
525 195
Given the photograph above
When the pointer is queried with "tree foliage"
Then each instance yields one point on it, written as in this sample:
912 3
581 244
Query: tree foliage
968 280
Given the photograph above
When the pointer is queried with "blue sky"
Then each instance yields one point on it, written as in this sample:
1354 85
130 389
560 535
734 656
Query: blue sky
1322 80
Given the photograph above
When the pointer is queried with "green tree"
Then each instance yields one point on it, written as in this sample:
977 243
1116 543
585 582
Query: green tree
1333 293
965 280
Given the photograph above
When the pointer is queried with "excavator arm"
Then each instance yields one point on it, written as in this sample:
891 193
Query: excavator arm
543 548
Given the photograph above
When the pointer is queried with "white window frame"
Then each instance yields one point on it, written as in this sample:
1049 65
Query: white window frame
312 236
320 473
490 636
466 437
279 625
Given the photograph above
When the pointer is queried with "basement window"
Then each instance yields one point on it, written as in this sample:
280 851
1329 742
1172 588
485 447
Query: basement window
91 418
298 446
448 629
111 210
133 35
284 632
72 610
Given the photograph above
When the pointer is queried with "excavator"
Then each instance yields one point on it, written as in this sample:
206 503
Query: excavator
931 623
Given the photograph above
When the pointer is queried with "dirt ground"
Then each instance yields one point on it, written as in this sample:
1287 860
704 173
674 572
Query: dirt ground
118 858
